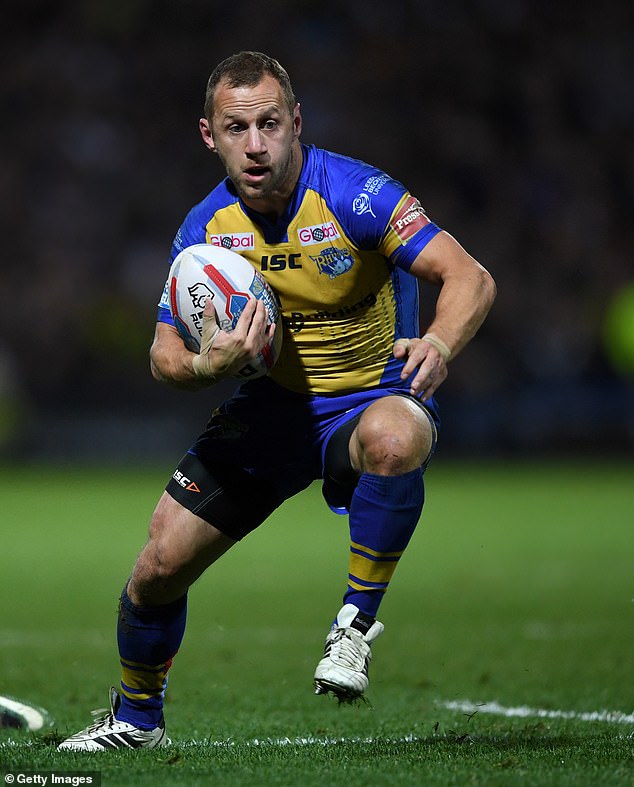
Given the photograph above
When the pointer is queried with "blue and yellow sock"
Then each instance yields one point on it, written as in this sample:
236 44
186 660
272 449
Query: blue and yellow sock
148 639
384 513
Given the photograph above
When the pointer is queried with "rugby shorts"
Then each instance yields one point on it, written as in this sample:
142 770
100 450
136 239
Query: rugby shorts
265 445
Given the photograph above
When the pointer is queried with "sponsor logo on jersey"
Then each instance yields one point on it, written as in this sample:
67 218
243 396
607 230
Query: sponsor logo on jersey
362 204
333 261
280 262
410 218
374 184
318 233
296 321
243 241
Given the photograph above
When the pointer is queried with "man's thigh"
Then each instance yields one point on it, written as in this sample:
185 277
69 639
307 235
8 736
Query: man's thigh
259 449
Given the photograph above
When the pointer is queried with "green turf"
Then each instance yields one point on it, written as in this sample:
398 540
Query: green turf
517 588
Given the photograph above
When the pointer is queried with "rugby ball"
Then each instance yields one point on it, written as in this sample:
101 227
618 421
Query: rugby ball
204 271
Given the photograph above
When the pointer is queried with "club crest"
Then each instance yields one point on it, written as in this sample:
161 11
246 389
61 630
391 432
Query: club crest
333 262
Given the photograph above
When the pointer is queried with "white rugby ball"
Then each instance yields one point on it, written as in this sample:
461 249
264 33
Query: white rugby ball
204 271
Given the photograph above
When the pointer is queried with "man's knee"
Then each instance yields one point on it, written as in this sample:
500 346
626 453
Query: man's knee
154 568
179 548
393 437
161 557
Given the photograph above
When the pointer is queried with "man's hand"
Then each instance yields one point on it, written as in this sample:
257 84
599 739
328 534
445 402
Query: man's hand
429 358
223 353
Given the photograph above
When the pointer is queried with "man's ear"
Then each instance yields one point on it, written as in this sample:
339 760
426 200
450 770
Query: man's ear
297 120
206 134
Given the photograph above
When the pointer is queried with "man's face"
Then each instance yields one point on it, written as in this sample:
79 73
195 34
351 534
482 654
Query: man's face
257 140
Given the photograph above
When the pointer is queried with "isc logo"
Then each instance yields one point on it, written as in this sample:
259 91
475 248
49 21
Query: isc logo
185 482
280 262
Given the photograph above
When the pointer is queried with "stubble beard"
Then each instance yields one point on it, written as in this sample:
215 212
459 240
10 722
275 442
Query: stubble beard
280 184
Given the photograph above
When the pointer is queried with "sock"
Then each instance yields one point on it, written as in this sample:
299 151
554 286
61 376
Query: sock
384 513
148 639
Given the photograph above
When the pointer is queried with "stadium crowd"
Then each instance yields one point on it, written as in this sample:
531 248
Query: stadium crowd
512 124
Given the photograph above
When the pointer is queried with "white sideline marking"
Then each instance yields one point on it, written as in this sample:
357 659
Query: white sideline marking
309 741
523 711
465 706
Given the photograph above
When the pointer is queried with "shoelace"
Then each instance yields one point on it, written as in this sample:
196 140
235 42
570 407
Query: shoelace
101 716
347 648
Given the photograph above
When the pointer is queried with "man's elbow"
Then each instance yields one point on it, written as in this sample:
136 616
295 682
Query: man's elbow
488 289
154 371
154 366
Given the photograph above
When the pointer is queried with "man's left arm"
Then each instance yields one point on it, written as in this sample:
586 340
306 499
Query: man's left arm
467 292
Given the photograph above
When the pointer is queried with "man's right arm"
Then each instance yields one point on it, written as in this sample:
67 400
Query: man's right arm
222 354
171 362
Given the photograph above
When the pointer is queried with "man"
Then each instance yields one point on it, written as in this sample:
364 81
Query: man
350 399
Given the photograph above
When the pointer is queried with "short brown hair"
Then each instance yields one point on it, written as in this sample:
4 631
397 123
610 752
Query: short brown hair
246 69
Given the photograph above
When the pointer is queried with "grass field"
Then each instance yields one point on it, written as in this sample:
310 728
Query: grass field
509 628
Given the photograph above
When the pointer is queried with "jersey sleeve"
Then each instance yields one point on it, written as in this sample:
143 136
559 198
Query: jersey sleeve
378 213
408 232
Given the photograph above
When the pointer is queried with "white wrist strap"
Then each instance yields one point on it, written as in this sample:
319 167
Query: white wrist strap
199 362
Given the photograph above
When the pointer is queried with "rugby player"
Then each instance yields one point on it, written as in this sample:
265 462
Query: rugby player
350 400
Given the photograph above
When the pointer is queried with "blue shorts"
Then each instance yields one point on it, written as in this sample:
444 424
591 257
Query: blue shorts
269 443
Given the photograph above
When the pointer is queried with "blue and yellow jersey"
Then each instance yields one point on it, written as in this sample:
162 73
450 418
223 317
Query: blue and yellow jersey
338 261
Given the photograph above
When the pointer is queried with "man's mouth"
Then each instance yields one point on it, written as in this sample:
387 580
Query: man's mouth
256 173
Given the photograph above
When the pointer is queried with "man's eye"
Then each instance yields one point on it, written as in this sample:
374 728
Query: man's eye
269 125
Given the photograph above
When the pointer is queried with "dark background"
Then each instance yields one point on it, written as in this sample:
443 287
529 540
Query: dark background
513 122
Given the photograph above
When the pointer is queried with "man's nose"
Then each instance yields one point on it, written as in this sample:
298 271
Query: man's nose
256 144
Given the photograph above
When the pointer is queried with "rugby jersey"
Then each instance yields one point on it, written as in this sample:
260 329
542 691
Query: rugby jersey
337 260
